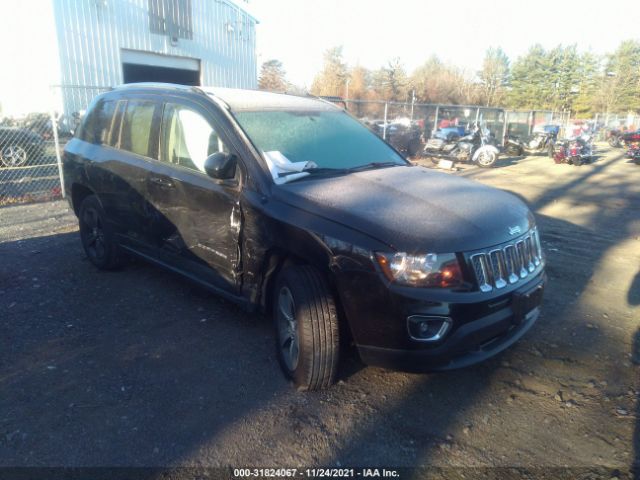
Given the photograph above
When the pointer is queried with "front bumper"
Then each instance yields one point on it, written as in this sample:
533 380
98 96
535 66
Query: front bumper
483 326
472 343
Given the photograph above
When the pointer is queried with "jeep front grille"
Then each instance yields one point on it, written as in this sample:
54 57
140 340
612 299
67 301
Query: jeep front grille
509 263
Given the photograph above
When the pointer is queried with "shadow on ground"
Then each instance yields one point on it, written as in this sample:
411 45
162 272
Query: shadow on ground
139 368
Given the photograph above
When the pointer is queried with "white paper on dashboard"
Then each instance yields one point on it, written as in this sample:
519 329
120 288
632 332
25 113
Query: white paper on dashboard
279 164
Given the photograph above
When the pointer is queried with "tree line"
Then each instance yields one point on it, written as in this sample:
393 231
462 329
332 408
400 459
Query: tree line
562 79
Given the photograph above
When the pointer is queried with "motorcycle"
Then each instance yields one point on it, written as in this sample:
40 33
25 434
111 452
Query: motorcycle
472 148
629 139
633 152
576 151
614 138
540 142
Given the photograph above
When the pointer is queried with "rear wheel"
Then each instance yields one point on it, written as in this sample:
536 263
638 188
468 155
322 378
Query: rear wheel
97 238
306 320
577 160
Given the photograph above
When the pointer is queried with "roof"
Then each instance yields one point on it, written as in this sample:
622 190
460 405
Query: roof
239 99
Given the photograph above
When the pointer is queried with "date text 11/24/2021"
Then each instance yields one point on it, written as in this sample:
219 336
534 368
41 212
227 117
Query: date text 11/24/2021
239 473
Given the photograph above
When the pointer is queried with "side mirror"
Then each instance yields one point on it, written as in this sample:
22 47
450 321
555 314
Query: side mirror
220 165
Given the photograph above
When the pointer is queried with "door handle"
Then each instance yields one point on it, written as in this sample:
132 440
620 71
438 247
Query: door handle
162 182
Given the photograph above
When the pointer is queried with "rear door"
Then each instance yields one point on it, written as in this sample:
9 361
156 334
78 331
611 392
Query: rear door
124 173
198 223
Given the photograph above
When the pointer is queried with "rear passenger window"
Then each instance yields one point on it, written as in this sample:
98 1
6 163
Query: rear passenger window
98 125
137 126
189 137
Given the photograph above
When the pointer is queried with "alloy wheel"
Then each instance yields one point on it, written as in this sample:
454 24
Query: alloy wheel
288 329
13 156
93 234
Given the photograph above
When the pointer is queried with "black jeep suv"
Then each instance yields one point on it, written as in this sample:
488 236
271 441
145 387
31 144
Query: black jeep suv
289 205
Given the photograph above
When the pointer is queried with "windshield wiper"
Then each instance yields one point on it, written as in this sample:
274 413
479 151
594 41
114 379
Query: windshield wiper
315 171
372 165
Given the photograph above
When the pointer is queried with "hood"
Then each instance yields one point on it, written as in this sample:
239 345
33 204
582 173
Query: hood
413 208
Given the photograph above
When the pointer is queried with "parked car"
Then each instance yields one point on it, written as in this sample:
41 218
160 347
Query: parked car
450 134
404 135
289 205
18 146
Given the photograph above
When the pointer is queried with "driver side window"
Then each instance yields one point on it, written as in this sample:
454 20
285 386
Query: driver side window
188 137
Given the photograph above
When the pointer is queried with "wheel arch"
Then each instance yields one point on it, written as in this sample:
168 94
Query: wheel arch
78 193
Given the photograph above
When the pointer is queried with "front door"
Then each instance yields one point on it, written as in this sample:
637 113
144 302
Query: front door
197 225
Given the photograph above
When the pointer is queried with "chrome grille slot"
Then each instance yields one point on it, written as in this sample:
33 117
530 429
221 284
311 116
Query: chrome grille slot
536 248
522 259
511 261
498 268
482 273
528 249
507 264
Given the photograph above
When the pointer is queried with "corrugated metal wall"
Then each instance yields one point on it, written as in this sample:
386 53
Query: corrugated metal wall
91 34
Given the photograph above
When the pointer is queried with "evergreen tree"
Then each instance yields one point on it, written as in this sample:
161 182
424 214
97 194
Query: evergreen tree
529 84
391 82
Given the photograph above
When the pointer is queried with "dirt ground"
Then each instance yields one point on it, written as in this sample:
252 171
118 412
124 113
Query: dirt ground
140 368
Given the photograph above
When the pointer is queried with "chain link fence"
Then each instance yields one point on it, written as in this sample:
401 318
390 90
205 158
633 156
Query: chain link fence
407 125
31 144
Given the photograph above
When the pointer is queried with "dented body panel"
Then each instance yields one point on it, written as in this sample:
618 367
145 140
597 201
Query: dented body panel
234 236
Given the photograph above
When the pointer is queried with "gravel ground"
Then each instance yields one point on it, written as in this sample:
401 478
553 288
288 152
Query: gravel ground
140 368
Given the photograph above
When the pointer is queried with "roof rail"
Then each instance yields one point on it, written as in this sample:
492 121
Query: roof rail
176 86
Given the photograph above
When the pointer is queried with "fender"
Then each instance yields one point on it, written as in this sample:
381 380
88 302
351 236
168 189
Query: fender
485 148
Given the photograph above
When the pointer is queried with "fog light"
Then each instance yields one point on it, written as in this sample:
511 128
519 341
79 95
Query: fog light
428 328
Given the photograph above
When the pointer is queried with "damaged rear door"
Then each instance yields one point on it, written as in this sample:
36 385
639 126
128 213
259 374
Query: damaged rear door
198 223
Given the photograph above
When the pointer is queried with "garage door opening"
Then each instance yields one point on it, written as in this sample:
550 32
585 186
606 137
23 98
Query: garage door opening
133 73
140 66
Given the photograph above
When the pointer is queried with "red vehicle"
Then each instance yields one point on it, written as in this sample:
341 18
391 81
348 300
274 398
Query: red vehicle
634 151
631 137
574 152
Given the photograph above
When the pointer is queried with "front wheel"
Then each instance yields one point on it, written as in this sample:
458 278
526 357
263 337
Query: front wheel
307 338
13 156
486 158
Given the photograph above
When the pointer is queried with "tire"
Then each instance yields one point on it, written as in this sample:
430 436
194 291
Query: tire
414 147
96 236
13 155
577 161
306 321
486 159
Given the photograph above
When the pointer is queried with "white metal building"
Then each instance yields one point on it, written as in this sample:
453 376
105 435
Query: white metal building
102 43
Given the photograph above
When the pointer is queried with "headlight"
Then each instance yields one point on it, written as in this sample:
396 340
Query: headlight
428 270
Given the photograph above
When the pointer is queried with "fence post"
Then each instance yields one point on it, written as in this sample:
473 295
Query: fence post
56 142
504 127
413 101
384 125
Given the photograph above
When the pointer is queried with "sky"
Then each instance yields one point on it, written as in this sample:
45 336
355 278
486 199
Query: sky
297 32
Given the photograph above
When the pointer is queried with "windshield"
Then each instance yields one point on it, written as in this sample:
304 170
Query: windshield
327 139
